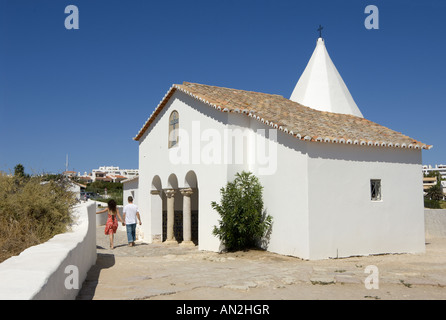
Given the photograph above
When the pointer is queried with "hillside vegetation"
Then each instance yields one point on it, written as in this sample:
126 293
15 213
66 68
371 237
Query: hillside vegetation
31 212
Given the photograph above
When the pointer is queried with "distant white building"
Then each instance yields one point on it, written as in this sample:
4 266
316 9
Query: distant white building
69 174
76 188
438 167
112 173
130 188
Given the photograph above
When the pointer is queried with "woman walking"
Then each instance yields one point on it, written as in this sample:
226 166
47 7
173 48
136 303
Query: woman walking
112 223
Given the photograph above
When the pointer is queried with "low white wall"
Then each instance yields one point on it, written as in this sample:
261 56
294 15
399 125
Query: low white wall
435 223
41 272
101 219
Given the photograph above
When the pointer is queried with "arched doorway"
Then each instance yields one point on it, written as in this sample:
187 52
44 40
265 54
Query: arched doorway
190 203
156 209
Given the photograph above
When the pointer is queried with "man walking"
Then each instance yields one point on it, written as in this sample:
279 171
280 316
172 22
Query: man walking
131 213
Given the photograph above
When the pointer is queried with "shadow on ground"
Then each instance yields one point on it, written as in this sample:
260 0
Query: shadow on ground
103 261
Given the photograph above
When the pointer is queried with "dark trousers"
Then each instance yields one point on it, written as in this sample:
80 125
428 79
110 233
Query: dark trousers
131 232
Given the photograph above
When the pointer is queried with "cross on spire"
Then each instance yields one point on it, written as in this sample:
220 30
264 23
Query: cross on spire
320 31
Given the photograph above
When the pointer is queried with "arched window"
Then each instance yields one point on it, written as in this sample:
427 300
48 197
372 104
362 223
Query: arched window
173 129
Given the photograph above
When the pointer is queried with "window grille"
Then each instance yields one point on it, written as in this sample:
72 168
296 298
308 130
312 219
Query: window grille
173 129
375 188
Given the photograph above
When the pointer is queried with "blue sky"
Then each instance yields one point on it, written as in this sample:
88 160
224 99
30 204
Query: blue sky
87 92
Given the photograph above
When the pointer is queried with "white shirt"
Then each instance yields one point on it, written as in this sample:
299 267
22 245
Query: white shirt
130 211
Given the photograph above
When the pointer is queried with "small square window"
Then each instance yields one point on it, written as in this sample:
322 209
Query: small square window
375 189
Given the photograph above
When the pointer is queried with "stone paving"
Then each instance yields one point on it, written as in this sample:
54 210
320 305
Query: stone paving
159 271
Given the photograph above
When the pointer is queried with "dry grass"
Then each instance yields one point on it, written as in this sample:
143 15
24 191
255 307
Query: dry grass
31 212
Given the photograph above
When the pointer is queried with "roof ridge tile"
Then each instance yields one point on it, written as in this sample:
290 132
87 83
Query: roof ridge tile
290 117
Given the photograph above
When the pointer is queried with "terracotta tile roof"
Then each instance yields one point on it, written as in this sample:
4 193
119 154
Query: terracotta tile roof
130 179
302 122
116 176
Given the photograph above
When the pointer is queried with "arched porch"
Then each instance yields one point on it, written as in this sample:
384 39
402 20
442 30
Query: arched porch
174 210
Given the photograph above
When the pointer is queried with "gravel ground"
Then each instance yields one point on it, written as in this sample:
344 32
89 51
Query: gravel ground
158 271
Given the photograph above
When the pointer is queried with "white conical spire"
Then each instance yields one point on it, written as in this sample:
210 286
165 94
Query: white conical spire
321 87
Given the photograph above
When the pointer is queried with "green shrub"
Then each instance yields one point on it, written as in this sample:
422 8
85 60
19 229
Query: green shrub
114 191
32 212
243 222
435 192
432 204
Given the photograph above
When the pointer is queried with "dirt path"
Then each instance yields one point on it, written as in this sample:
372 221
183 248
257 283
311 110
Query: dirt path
157 271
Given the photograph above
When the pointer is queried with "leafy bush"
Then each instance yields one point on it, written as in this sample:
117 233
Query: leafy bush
243 223
432 204
100 186
31 212
435 192
114 190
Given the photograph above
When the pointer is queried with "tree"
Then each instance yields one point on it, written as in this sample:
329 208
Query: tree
243 222
434 173
435 192
19 170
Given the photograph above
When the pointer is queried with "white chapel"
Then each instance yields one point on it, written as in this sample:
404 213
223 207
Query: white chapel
336 184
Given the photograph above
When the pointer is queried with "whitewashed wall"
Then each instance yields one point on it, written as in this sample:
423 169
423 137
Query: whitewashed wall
130 188
318 193
38 273
435 223
154 161
342 218
285 194
285 189
75 188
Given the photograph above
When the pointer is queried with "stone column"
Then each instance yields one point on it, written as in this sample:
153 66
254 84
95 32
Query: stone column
170 193
187 217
